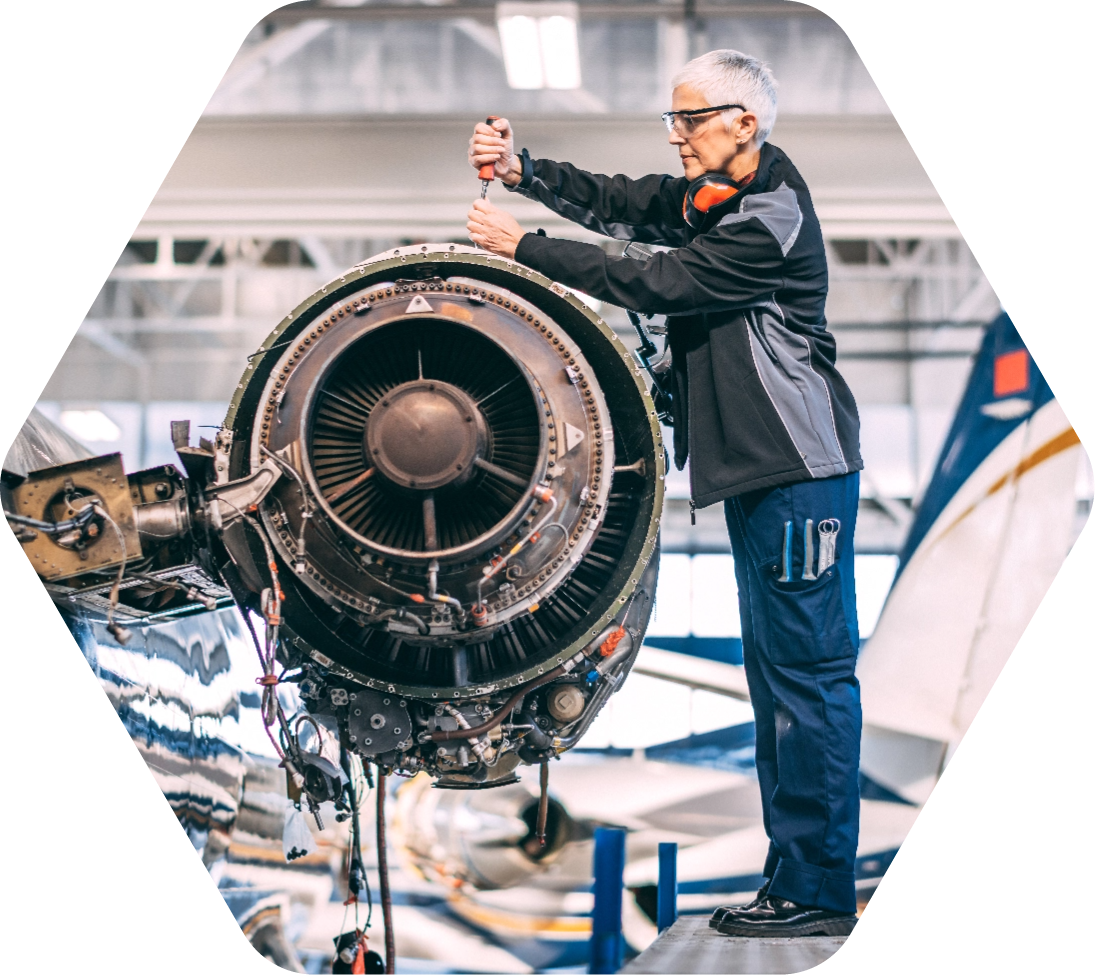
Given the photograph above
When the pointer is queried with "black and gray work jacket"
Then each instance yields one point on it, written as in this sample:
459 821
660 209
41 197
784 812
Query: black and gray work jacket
757 400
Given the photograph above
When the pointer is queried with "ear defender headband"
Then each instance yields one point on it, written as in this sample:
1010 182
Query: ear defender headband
708 191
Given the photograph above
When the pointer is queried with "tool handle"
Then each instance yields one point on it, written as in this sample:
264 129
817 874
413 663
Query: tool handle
487 172
786 577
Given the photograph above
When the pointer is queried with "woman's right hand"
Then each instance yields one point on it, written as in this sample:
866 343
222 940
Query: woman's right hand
493 143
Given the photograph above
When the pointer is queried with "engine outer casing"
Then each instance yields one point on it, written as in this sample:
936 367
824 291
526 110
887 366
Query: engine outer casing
601 355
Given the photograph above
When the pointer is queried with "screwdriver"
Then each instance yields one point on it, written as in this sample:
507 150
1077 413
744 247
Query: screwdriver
486 173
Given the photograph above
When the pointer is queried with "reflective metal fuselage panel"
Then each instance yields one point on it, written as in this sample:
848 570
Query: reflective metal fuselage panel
172 689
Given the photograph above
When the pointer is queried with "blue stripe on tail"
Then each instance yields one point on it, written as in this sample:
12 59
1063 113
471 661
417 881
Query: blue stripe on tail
995 403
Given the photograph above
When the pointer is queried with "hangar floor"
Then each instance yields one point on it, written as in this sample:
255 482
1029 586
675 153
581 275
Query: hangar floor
691 946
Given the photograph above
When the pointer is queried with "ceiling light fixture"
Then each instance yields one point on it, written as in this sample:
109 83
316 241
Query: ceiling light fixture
540 44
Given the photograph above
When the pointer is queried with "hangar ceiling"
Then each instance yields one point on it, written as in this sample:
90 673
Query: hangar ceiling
336 137
373 58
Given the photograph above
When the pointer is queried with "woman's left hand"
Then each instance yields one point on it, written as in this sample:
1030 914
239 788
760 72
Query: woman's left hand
494 230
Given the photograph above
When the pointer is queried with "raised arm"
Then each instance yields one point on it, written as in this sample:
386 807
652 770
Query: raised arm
646 209
732 266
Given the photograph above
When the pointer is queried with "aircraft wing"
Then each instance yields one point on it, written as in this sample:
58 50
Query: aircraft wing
703 675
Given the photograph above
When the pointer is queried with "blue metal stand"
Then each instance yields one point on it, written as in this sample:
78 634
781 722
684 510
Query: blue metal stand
606 947
667 885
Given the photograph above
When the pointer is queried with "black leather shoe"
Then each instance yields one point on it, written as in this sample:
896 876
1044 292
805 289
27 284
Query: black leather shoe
773 917
721 912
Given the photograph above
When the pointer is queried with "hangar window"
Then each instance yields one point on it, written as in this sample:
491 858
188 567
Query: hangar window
286 253
852 251
140 252
193 251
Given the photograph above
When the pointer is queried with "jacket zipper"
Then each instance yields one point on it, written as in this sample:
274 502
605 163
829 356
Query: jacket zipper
752 185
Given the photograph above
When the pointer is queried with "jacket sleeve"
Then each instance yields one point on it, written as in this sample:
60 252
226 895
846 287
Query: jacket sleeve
646 209
733 266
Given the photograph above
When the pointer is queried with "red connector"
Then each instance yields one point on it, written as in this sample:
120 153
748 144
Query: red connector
612 641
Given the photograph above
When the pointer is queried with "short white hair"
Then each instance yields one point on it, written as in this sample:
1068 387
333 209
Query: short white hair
729 77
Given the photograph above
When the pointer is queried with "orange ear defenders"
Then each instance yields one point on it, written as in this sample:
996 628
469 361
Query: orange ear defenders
708 191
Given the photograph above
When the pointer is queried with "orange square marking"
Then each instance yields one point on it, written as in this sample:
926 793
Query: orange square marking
1011 373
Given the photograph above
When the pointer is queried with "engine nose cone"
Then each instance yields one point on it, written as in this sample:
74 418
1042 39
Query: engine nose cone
424 435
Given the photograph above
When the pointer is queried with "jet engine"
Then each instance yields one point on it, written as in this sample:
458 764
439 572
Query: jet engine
439 483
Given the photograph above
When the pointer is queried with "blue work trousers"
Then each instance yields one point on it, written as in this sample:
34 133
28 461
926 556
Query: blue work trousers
800 638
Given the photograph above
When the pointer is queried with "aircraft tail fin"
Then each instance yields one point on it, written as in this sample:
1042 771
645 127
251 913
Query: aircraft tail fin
989 536
1005 388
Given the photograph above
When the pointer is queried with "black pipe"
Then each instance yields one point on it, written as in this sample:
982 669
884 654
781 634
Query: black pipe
542 811
382 869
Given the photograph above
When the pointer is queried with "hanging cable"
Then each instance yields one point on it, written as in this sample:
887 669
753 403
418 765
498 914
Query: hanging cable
382 870
270 604
357 878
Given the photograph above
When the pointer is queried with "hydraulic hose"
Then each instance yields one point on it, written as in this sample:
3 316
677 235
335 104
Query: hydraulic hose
501 714
54 528
459 734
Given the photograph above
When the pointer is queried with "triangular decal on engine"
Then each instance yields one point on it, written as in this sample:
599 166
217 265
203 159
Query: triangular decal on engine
574 437
418 304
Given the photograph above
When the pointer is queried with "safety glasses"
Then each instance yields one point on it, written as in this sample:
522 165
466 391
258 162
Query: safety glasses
685 122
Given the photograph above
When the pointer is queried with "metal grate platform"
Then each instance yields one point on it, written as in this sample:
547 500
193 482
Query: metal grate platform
690 946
